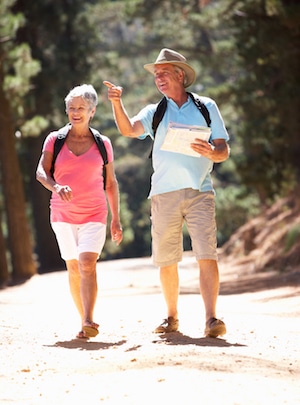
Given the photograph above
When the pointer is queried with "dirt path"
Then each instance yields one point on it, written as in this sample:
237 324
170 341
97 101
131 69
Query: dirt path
257 362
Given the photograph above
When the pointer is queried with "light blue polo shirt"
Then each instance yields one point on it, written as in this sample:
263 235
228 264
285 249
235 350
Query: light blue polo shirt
176 171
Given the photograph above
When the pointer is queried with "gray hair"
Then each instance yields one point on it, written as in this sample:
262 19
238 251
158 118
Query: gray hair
179 70
86 91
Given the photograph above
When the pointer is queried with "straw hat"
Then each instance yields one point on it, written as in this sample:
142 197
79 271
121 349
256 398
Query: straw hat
173 58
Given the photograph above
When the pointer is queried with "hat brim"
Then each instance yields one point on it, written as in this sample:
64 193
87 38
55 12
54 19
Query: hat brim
189 71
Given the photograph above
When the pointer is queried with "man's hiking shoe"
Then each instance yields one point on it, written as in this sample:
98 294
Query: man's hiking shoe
214 327
168 325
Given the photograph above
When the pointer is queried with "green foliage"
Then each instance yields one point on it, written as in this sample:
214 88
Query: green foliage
17 64
17 80
267 41
245 53
234 207
9 23
292 237
34 126
133 172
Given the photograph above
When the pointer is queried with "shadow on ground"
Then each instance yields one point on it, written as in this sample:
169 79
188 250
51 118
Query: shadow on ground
85 344
178 338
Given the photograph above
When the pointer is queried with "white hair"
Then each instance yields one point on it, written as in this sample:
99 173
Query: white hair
86 91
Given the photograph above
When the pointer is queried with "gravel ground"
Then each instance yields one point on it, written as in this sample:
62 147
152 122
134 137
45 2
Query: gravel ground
256 362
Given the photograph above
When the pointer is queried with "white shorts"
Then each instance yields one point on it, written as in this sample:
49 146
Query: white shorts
75 239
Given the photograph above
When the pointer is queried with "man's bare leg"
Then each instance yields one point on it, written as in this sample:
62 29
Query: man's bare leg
170 287
209 288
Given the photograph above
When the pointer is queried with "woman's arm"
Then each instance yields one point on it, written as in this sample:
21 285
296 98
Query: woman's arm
43 175
112 192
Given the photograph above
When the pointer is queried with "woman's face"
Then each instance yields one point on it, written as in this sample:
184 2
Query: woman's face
79 111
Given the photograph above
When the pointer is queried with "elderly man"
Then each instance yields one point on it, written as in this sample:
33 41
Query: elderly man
181 185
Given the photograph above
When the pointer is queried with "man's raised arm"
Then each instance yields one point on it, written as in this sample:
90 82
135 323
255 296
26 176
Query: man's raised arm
127 127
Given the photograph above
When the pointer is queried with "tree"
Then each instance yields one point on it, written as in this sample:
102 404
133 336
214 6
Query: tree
61 38
96 40
4 272
16 68
268 45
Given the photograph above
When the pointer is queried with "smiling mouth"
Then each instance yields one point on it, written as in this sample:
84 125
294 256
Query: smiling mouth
161 85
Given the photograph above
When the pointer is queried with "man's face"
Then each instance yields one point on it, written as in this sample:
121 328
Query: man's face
167 80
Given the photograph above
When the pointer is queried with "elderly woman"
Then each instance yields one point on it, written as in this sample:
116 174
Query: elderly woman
78 207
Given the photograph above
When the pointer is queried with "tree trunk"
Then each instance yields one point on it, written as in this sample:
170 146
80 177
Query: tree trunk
19 238
46 247
4 274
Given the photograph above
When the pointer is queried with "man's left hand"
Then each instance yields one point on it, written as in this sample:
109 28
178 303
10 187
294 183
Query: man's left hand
217 151
203 148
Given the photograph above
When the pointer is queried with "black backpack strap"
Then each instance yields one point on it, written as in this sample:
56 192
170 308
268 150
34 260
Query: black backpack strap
100 144
58 144
158 114
103 152
201 107
161 109
157 117
60 140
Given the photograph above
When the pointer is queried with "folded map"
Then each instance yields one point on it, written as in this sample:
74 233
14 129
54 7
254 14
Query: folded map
179 138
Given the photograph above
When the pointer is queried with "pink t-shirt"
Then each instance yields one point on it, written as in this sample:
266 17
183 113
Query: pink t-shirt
84 174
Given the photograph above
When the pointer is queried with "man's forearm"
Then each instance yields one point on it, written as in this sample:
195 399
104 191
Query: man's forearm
122 120
125 125
221 153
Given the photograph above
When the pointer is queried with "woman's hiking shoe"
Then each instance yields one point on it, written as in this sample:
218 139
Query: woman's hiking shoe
168 325
214 327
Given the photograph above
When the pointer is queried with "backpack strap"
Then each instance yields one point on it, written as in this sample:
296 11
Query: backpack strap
100 144
103 152
157 117
58 144
158 114
60 140
201 107
161 109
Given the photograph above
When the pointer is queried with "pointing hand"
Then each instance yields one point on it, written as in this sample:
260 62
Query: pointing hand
114 92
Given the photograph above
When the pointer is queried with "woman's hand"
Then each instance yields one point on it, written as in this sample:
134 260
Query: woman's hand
65 192
116 232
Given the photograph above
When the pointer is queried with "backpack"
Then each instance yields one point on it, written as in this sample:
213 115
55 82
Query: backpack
60 140
162 106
